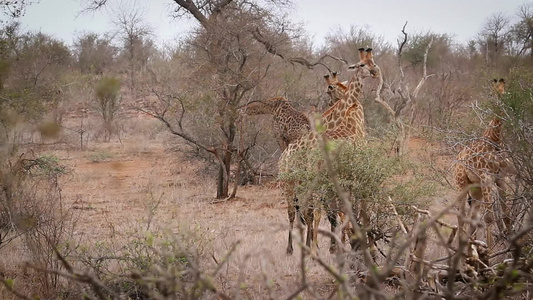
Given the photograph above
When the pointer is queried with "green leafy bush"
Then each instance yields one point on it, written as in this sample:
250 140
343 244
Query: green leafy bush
107 94
367 172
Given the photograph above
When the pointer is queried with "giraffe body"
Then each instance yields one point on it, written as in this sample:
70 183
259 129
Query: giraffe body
289 123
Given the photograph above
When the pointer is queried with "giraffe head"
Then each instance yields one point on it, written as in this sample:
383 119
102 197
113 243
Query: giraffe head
335 88
499 86
366 66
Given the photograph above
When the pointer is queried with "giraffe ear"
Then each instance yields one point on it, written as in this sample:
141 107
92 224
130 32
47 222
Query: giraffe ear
502 80
495 80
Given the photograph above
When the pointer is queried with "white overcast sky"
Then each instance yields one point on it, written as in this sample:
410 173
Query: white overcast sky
461 18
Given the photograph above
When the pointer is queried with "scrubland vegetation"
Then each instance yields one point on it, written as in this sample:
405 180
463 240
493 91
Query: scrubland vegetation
127 172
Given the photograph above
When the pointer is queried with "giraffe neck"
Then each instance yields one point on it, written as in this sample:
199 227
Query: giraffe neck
334 119
334 116
355 121
280 108
494 131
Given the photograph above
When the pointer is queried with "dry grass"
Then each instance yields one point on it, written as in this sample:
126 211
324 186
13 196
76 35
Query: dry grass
114 186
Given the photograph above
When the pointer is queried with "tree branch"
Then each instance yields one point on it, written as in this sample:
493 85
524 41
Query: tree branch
271 48
400 49
189 6
178 133
381 101
424 75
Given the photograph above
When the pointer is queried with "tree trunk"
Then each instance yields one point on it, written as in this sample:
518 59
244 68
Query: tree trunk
222 184
223 174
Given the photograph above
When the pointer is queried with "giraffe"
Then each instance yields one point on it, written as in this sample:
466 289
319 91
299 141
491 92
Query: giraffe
289 123
344 120
482 163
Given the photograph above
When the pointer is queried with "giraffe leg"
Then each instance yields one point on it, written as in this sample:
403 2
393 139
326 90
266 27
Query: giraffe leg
354 240
463 181
346 229
506 217
317 215
308 215
488 219
488 207
279 136
342 217
291 209
332 217
475 197
370 242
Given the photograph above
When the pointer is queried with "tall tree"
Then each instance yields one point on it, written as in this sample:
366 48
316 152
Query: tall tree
493 37
225 66
95 54
136 43
523 30
32 64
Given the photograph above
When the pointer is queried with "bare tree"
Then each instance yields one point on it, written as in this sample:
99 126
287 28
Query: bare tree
221 57
137 46
407 97
494 37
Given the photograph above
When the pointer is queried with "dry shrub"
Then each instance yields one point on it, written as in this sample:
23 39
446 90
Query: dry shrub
151 265
32 209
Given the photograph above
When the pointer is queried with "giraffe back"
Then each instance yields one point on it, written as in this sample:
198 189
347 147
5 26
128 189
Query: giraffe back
289 123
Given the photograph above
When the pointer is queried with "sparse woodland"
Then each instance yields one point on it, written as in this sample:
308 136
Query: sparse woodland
132 171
